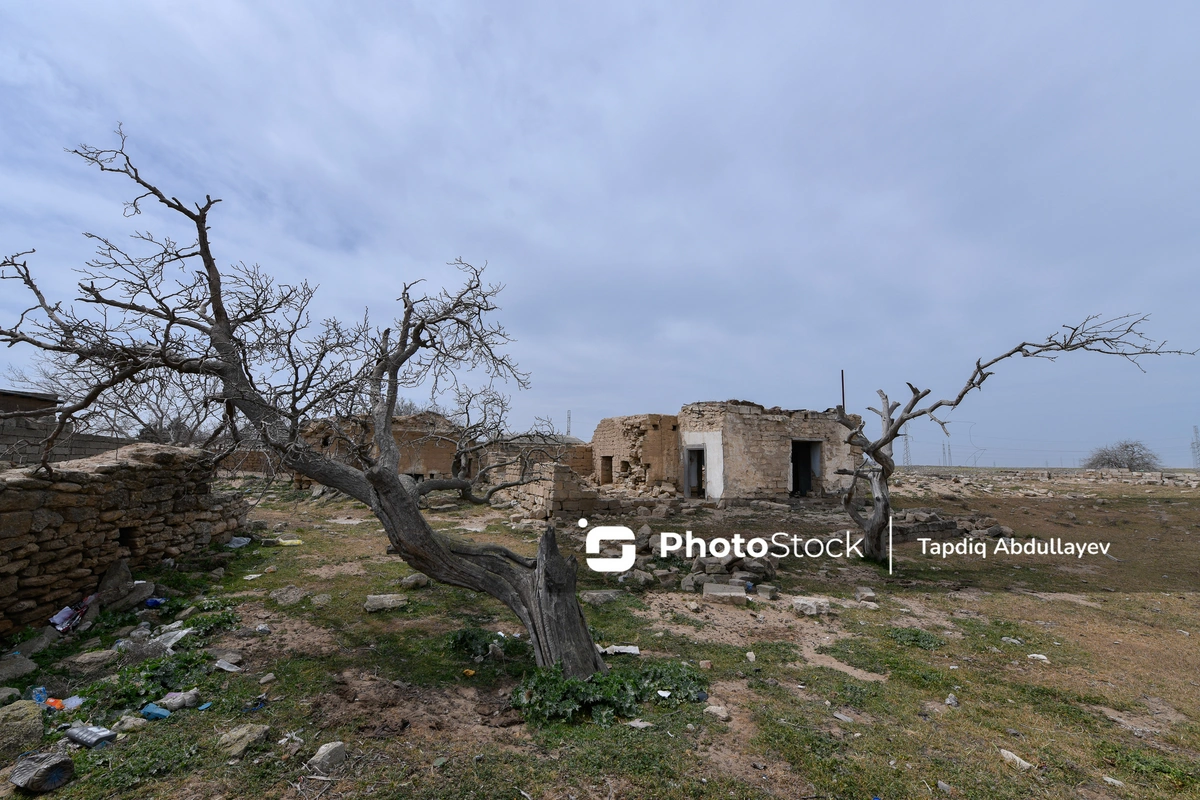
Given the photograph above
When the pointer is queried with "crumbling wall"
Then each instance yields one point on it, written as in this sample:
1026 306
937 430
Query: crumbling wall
644 450
756 446
59 533
556 491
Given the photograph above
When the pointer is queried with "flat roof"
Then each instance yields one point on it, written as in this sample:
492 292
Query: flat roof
53 398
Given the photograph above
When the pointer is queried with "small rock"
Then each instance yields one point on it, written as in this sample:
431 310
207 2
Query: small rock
602 596
7 694
724 593
719 712
705 664
693 607
952 701
241 738
945 787
1038 657
767 591
639 724
864 593
1015 760
418 580
1011 640
751 657
265 679
16 667
20 729
94 661
1113 782
329 756
810 606
384 602
321 600
289 595
843 717
264 629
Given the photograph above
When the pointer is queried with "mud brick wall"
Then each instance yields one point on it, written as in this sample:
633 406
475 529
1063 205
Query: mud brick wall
648 443
59 533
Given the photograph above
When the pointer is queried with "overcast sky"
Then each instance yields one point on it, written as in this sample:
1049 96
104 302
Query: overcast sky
685 201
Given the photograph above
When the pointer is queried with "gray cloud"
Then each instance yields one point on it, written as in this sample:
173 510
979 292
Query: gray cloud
686 201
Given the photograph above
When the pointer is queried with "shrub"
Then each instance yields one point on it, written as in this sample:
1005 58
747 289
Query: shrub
547 695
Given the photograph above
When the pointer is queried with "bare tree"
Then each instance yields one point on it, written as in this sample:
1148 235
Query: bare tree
169 307
1115 336
1127 454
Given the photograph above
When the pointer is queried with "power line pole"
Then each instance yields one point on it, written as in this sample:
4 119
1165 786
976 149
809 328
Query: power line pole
1195 447
568 422
907 454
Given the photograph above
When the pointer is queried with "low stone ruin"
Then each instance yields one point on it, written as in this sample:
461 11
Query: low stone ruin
59 533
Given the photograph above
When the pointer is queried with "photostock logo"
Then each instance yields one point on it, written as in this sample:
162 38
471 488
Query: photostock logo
596 537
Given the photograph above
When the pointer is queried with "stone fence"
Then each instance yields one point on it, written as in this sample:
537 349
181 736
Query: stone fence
59 533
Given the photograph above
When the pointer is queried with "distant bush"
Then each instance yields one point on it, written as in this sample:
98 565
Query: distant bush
1125 454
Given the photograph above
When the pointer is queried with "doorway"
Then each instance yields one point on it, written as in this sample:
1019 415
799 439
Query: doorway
695 473
606 470
804 454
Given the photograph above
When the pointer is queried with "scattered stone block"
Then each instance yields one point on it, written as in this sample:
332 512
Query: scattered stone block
810 606
767 591
289 595
384 602
864 593
602 596
724 593
242 738
418 580
719 712
328 757
321 600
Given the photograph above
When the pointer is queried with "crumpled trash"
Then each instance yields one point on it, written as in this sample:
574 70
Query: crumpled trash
290 542
224 665
177 700
155 602
42 772
238 541
72 702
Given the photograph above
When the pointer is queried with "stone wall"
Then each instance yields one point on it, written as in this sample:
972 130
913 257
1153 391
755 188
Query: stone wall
556 492
636 451
756 445
59 534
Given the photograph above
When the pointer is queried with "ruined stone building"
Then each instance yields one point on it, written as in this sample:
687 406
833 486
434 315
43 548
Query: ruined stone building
427 442
733 450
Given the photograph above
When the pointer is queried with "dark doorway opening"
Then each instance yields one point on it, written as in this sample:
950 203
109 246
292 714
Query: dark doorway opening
606 470
802 467
695 473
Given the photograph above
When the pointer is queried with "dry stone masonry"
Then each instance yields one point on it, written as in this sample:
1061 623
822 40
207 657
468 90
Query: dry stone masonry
60 533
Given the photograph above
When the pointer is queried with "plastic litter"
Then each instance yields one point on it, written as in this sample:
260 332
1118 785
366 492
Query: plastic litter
55 703
290 542
91 736
152 712
204 707
224 665
155 602
42 772
74 701
238 541
39 695
252 576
